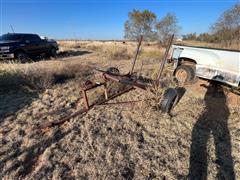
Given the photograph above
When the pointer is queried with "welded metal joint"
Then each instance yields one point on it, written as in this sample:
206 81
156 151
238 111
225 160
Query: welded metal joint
85 98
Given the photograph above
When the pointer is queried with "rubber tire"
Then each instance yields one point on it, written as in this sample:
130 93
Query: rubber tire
189 70
53 52
113 71
169 99
22 57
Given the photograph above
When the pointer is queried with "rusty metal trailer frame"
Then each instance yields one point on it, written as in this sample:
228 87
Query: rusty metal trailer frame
131 81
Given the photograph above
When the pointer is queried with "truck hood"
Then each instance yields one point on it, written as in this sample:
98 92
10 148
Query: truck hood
7 43
51 41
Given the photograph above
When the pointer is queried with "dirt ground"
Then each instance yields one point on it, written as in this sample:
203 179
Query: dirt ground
199 140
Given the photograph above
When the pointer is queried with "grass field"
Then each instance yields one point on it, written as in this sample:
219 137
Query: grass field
201 137
233 46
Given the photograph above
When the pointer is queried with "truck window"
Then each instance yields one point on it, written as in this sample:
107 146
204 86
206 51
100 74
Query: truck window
10 37
32 38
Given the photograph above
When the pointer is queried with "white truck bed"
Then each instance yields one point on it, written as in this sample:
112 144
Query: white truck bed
213 64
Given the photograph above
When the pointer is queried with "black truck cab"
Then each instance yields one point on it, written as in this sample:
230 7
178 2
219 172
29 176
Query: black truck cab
25 46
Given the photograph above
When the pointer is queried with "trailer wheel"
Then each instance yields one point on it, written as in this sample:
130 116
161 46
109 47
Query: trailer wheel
184 73
113 70
169 99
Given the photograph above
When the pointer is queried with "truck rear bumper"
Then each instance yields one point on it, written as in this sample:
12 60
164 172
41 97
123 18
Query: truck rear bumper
211 73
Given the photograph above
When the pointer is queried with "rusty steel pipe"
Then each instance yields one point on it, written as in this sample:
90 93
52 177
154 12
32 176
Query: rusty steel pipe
67 118
136 55
119 103
115 78
85 98
164 58
105 91
124 79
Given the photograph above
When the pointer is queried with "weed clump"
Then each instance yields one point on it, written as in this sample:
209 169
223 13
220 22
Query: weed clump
119 53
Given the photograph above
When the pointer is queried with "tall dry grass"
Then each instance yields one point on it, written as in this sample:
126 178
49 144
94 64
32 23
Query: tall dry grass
40 75
232 46
113 50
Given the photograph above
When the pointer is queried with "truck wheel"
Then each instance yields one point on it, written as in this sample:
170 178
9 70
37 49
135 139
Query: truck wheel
184 73
169 99
53 52
113 70
22 57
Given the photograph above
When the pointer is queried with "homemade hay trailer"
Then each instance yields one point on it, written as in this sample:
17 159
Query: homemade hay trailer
131 81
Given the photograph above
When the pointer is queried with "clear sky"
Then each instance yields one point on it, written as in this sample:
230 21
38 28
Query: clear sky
102 19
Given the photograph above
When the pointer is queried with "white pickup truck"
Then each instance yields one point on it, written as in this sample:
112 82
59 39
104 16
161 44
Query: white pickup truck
209 63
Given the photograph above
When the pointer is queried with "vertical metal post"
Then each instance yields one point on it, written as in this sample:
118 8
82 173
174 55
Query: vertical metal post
136 55
164 59
84 94
105 91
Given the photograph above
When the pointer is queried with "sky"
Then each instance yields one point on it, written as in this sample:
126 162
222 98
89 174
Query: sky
102 19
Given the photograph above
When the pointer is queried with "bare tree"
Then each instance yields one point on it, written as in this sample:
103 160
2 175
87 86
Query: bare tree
190 36
227 27
140 23
166 26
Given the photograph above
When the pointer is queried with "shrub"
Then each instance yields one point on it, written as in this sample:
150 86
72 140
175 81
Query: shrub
119 53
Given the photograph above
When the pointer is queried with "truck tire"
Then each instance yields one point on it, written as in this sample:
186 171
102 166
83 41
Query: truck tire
184 73
169 99
113 71
53 52
22 57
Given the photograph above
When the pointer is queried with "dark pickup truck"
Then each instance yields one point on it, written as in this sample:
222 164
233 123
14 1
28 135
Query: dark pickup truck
25 46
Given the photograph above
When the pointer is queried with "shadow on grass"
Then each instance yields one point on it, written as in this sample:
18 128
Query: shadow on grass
214 121
59 55
32 155
13 101
71 53
17 91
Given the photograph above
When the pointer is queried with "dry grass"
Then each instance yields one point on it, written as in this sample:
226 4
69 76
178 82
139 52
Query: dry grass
233 46
117 53
114 50
38 76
